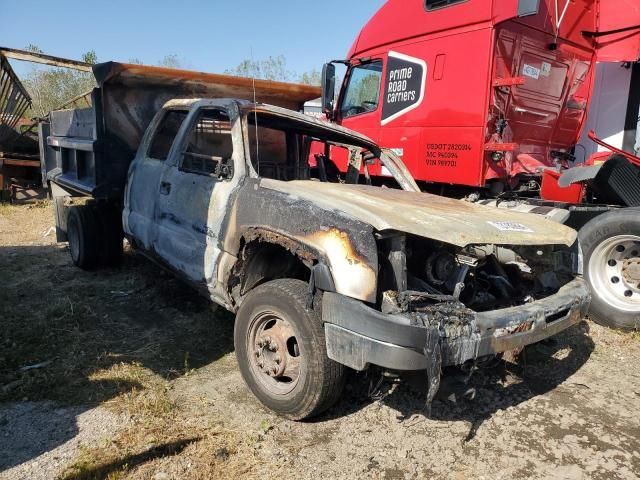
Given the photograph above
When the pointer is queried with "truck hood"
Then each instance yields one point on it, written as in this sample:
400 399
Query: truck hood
451 221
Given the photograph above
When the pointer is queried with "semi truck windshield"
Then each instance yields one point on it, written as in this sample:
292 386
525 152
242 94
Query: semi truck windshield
363 90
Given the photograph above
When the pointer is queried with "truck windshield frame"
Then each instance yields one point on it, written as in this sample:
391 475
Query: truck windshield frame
278 144
355 100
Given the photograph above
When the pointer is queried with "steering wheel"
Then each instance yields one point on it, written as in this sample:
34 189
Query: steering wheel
355 110
369 106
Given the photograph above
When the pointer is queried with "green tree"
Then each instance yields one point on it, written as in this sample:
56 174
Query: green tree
52 87
273 68
312 77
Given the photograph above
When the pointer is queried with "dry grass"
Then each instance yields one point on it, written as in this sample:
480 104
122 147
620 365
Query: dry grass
148 398
116 337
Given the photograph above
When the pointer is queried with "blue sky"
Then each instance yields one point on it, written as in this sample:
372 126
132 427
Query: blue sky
206 35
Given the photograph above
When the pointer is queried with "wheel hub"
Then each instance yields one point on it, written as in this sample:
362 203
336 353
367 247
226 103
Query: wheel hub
631 270
269 353
614 270
276 359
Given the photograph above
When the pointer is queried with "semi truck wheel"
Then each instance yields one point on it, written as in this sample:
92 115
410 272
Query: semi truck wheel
611 248
281 351
83 235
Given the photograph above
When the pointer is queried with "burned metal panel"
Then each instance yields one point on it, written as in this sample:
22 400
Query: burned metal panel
36 57
14 101
79 122
451 221
130 96
346 245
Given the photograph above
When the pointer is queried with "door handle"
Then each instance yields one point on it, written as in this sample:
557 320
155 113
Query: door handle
165 188
532 112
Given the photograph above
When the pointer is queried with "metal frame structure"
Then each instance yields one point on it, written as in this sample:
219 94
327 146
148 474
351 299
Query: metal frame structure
14 99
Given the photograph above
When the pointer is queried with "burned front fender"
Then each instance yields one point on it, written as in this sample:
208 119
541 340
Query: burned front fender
346 246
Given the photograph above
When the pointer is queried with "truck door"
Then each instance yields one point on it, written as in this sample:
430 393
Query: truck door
144 176
194 191
360 105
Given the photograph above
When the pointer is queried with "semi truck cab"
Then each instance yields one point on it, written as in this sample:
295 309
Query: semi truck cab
487 99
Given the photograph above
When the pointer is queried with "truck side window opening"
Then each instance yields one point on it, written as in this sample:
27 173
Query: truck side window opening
436 4
209 143
166 133
362 94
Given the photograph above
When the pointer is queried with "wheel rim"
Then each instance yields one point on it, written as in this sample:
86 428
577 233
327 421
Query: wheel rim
74 239
614 271
274 353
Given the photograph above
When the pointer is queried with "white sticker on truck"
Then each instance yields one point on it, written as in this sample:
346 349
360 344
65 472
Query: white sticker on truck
531 71
511 227
545 69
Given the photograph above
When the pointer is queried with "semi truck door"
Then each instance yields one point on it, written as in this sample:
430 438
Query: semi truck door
144 177
194 191
360 106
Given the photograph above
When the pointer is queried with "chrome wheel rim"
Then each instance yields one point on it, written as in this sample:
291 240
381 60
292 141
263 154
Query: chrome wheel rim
614 271
274 353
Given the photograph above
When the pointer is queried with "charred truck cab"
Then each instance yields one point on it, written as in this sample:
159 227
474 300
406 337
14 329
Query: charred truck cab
323 270
486 99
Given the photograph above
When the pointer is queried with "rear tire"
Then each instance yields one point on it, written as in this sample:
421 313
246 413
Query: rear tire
611 249
281 351
83 235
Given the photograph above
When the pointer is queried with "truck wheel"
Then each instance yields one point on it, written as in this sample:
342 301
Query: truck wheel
112 235
83 235
282 353
611 248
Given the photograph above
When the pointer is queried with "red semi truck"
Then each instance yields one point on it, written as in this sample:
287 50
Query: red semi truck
487 99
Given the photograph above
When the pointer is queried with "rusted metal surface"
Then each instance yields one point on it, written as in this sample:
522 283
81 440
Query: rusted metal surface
14 101
205 84
35 57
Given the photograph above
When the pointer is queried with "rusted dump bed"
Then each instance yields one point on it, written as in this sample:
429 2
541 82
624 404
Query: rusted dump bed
89 150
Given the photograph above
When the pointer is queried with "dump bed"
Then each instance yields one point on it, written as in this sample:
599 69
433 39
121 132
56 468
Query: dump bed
88 150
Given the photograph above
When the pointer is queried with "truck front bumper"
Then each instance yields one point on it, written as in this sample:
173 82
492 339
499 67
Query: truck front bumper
358 335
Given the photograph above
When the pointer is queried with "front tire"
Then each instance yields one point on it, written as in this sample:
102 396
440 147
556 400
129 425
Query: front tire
611 249
281 351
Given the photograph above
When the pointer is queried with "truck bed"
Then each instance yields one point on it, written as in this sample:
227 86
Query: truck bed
88 150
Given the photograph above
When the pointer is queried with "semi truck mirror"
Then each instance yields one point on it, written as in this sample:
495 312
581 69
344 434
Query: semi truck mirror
328 88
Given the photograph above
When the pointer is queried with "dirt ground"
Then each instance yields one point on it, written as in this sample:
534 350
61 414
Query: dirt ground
125 373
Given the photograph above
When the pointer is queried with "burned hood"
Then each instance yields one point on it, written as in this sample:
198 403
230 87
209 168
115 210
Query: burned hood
451 221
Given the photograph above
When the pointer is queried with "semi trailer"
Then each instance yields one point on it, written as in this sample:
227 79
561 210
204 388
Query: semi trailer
486 100
323 273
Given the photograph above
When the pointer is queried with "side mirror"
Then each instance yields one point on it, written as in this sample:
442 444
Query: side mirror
328 88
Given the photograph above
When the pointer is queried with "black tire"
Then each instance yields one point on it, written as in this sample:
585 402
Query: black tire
112 235
320 380
83 233
610 246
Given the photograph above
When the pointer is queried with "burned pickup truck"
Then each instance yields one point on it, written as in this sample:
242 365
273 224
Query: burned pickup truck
324 270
